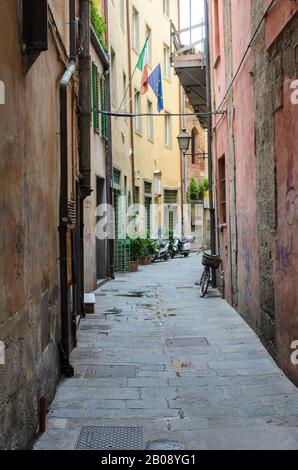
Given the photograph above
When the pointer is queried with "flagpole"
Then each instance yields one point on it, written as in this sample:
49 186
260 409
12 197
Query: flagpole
130 99
130 80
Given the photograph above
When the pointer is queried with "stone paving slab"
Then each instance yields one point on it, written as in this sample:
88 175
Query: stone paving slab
225 394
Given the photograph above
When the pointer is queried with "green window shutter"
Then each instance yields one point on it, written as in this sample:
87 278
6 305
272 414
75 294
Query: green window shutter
104 122
95 97
116 176
148 203
148 187
170 197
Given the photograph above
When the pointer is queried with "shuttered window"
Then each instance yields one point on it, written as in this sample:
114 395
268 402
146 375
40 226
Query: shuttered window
95 98
148 187
148 203
170 197
104 119
116 176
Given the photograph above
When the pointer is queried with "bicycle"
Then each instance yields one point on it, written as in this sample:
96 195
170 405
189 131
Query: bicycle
209 261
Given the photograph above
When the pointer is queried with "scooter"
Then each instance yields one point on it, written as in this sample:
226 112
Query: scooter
162 251
180 246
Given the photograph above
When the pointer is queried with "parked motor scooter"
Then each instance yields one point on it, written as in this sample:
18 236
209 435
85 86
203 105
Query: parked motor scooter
162 251
180 246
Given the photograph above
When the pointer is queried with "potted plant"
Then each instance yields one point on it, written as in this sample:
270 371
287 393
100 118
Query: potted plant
152 248
136 253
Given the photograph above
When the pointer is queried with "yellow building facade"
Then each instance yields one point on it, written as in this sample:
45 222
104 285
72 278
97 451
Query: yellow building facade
146 157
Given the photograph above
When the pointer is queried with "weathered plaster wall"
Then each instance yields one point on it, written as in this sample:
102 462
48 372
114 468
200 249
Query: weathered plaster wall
285 240
258 134
243 132
29 203
98 170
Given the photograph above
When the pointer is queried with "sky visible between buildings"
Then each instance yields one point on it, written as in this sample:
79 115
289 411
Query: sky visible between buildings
192 13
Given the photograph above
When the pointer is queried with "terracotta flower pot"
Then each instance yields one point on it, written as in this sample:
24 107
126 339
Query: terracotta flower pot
144 261
133 266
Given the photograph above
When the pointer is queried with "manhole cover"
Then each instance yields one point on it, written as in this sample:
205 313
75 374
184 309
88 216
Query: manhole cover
184 287
165 445
111 438
113 311
95 327
111 371
86 354
186 342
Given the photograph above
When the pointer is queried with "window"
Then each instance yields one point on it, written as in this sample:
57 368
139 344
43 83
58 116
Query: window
116 176
149 45
194 135
166 62
222 190
170 199
168 131
216 31
137 195
95 98
114 78
148 203
35 28
135 29
138 110
122 15
166 7
170 196
150 125
104 119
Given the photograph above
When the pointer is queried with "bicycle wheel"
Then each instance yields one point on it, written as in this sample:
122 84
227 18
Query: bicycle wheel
204 283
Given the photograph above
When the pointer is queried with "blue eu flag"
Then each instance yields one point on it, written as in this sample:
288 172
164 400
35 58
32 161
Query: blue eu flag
155 81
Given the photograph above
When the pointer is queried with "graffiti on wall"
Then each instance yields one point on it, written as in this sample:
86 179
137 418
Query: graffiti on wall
291 199
284 249
283 254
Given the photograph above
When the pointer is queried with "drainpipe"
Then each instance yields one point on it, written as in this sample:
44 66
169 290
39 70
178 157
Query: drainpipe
210 156
130 102
66 368
85 116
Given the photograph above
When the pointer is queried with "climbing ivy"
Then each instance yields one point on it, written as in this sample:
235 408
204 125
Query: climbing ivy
98 23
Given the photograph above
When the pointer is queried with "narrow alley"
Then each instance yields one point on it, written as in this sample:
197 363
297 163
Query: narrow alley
160 368
148 149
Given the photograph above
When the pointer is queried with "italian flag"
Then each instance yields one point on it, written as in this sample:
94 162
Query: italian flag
142 65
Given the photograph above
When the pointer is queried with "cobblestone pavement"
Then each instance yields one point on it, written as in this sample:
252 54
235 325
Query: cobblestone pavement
202 378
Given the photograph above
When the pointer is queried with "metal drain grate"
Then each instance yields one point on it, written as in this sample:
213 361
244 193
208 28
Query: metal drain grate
186 342
111 438
111 372
95 327
86 354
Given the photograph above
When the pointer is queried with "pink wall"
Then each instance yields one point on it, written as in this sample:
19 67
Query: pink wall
282 11
285 240
218 60
245 163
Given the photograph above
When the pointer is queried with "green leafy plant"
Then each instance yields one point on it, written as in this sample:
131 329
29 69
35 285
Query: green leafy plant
150 247
137 249
98 23
193 191
171 239
206 185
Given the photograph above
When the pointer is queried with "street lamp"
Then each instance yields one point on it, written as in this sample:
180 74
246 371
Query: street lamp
183 141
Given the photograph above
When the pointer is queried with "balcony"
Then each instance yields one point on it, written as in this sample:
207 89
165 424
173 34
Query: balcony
189 64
